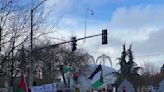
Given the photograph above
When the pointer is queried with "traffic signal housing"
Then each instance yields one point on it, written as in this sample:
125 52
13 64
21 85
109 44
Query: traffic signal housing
74 44
104 36
76 77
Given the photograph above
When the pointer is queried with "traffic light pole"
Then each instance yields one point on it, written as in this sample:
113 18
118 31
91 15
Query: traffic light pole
56 45
30 73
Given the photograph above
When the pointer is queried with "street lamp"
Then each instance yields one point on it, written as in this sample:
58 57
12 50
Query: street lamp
31 47
86 16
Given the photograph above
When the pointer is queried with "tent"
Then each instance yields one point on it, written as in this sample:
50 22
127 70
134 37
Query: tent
126 86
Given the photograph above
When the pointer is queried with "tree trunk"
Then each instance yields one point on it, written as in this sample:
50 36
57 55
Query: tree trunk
61 70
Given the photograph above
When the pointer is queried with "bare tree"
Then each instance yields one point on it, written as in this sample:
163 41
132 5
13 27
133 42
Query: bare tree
148 68
15 31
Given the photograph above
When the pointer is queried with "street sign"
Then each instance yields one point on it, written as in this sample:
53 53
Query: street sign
67 69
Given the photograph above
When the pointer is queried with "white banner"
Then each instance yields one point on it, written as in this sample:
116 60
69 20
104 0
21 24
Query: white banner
45 88
9 89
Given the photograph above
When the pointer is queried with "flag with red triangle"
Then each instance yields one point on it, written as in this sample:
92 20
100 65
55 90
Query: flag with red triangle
22 86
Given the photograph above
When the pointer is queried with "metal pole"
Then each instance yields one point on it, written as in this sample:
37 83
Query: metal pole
57 45
0 30
85 24
31 51
86 16
31 47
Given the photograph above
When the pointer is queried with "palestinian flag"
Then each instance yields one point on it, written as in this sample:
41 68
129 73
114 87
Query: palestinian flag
98 69
98 83
22 86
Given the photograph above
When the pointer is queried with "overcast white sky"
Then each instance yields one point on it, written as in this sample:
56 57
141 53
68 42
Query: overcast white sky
140 22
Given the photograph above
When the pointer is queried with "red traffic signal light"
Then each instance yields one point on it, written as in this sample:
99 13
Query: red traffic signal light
76 75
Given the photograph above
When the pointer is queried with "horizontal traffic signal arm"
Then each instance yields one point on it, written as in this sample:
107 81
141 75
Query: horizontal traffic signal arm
56 45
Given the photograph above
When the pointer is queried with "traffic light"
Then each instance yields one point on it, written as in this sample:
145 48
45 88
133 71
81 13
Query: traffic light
74 43
75 77
104 36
